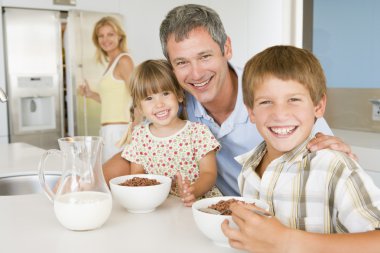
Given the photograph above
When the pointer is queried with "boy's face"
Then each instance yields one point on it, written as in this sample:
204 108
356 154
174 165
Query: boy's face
284 114
199 65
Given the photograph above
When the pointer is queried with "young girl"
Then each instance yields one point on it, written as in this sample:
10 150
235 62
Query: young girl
170 145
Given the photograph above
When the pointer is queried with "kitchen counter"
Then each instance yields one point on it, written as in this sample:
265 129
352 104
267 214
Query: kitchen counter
28 222
19 157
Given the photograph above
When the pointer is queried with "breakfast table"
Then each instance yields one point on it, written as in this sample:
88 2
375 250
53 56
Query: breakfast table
28 224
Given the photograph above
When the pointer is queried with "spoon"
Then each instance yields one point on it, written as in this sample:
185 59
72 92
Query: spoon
216 212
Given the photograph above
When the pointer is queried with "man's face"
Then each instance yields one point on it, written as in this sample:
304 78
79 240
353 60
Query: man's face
199 64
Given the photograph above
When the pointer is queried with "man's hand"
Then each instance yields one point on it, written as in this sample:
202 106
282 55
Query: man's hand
322 141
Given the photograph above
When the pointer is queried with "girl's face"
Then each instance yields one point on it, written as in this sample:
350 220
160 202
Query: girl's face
108 38
161 108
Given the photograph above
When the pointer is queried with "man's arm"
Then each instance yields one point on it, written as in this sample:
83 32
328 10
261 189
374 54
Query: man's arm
116 166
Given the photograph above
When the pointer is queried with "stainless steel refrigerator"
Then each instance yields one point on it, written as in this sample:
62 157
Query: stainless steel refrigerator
48 55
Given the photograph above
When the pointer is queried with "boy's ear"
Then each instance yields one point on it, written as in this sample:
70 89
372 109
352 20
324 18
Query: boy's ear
320 107
251 114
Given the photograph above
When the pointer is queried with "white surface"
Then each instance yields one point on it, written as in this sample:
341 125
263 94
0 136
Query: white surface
19 157
28 224
30 219
366 146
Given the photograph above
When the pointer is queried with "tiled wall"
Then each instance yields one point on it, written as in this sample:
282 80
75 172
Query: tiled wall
351 109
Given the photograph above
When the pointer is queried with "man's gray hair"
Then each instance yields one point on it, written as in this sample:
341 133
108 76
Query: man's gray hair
181 20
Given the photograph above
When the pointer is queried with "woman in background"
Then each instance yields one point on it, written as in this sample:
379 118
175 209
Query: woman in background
111 47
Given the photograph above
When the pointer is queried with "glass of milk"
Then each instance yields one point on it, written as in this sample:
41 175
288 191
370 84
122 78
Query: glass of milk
81 198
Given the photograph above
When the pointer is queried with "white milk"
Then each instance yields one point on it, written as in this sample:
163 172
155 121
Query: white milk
83 210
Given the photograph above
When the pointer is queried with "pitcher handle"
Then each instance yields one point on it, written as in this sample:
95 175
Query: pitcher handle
41 169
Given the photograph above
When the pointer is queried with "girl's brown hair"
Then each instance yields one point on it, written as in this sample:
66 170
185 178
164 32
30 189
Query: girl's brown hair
150 77
153 76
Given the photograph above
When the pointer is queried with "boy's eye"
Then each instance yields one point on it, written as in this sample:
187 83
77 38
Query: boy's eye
264 102
166 93
294 99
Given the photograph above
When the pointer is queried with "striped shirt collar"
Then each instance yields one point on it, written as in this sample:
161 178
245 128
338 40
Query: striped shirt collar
252 159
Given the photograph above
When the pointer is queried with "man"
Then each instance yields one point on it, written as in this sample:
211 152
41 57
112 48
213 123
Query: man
194 41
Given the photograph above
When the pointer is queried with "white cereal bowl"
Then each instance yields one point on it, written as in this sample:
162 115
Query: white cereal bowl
140 199
210 224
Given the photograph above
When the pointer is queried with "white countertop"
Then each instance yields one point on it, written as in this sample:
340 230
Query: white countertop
19 157
28 222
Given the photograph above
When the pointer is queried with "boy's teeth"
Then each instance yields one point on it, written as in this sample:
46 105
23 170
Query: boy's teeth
200 84
283 130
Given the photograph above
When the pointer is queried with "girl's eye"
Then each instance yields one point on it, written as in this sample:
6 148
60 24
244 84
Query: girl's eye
166 93
147 98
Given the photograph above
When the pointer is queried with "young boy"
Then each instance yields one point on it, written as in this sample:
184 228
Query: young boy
311 194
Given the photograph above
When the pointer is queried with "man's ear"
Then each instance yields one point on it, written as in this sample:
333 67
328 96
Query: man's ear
251 114
228 48
320 108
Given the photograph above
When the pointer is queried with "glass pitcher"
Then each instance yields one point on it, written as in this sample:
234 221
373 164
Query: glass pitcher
82 200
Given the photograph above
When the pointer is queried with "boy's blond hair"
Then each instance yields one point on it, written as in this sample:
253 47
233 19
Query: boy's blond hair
285 63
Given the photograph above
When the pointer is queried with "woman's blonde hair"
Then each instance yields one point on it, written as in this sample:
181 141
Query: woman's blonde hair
116 26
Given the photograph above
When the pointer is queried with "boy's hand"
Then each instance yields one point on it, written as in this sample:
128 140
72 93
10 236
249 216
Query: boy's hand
256 233
322 141
186 190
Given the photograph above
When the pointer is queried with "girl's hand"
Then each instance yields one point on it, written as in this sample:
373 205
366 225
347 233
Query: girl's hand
186 190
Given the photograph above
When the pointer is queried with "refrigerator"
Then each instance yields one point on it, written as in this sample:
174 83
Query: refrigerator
48 54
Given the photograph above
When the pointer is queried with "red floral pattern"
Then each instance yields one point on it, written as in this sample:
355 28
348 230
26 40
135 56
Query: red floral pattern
180 152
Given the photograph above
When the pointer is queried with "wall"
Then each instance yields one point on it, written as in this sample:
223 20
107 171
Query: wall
347 42
252 25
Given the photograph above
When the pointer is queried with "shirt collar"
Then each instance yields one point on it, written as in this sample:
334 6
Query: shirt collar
251 159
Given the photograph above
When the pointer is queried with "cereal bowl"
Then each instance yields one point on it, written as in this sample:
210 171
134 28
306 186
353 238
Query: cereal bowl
210 224
140 199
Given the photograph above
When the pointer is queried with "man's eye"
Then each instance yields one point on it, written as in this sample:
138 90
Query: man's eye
205 57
